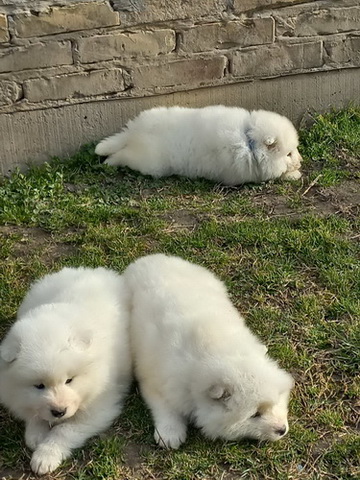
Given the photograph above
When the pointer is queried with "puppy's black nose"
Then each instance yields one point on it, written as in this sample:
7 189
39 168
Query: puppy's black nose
281 431
58 413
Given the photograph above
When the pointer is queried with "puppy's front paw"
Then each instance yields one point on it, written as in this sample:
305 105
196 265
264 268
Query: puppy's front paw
35 434
170 436
46 459
294 175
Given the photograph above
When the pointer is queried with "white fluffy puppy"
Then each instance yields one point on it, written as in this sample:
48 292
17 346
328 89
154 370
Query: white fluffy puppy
225 144
65 363
195 358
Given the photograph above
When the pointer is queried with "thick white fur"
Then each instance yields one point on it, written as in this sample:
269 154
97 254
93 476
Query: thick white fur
195 358
73 324
225 144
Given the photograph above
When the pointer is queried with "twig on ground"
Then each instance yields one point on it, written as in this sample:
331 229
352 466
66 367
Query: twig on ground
312 184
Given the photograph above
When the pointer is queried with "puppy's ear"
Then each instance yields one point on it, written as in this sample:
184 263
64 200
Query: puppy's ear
270 142
10 347
81 340
220 392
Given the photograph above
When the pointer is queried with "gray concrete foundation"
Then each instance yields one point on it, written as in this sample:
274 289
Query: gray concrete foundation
36 136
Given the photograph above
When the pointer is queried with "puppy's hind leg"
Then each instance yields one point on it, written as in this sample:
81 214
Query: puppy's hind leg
120 158
141 153
134 156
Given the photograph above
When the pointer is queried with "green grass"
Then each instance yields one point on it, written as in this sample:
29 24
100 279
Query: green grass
332 143
289 255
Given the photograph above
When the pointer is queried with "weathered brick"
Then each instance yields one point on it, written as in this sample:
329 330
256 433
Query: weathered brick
277 59
77 85
9 92
318 21
82 16
145 11
195 71
342 51
106 47
245 5
36 55
4 34
226 35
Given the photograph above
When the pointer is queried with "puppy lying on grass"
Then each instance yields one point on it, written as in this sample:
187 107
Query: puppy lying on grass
224 144
65 363
196 360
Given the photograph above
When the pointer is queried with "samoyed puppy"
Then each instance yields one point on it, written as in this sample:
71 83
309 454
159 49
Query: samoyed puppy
195 359
225 144
65 363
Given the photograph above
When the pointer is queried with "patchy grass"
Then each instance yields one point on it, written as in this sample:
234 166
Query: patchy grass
333 143
289 255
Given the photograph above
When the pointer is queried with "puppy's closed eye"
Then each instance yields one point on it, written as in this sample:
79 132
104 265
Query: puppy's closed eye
40 386
256 415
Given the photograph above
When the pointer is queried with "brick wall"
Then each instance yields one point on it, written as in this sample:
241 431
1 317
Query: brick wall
75 52
59 53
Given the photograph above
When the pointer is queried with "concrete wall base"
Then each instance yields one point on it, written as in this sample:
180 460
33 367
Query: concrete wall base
39 135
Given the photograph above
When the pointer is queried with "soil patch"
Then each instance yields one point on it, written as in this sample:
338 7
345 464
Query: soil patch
182 220
343 199
32 240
